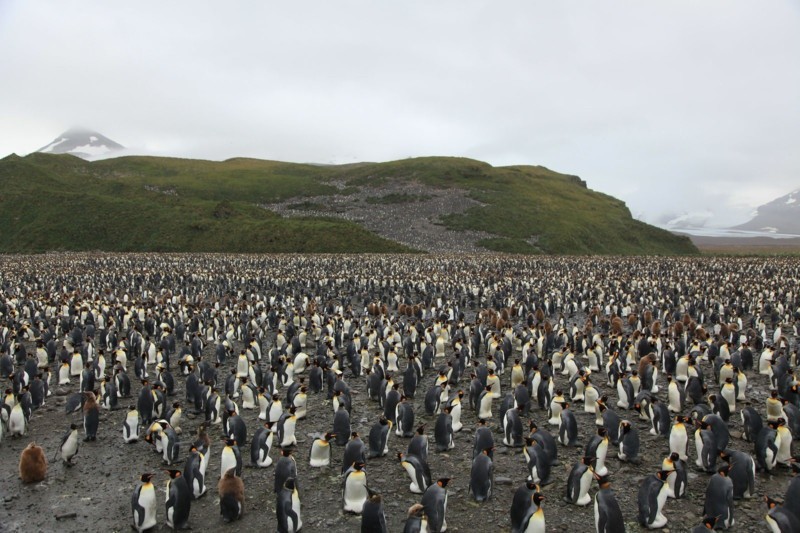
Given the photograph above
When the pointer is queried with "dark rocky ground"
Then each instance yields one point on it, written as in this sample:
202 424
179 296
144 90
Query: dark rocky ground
95 494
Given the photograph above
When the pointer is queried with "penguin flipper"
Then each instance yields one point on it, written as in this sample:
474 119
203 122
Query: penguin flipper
138 510
652 502
290 515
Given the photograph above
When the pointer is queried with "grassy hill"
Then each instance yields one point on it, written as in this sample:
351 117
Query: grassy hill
61 202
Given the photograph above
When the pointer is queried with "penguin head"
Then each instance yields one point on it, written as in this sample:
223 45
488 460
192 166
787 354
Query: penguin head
145 478
443 481
173 474
771 504
537 498
724 470
603 482
663 474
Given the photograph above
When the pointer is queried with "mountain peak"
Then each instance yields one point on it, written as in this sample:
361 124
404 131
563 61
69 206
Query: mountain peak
776 216
82 142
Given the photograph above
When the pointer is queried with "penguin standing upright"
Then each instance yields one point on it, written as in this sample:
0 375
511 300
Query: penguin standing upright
231 458
719 498
320 454
434 502
534 521
677 478
679 438
32 464
520 504
741 472
69 445
568 427
373 519
482 476
91 417
379 438
288 508
194 472
512 428
231 496
354 489
607 513
780 518
341 426
443 431
597 449
578 483
418 470
285 468
286 426
652 496
143 504
178 502
628 443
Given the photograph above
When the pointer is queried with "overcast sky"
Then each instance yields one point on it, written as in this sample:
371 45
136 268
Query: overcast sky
670 105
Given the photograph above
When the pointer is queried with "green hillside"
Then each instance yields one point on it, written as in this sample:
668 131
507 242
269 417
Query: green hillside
61 202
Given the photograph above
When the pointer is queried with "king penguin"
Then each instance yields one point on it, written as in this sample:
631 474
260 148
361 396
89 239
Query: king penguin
607 513
288 508
261 445
354 489
418 470
434 501
482 476
178 502
373 518
719 498
320 454
69 445
578 483
143 504
652 496
677 478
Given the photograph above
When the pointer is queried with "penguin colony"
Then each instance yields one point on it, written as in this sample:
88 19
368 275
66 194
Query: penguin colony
592 393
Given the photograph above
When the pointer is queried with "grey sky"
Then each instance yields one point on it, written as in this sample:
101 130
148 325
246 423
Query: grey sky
669 105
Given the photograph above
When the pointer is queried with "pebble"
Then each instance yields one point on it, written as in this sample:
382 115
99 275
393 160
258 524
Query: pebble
502 481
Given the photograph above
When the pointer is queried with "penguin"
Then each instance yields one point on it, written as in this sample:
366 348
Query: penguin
404 418
607 512
719 498
482 476
69 445
230 458
579 482
143 504
568 427
443 431
720 430
784 438
17 421
679 437
91 417
130 426
728 393
537 462
379 438
629 443
231 496
548 442
288 508
434 503
520 503
675 395
418 470
354 489
534 521
741 472
285 468
609 419
780 518
659 417
706 447
373 518
178 503
169 445
485 404
194 472
286 426
709 523
766 447
236 428
261 445
597 449
554 410
419 444
751 423
32 464
652 496
677 478
455 411
341 426
64 373
320 454
512 428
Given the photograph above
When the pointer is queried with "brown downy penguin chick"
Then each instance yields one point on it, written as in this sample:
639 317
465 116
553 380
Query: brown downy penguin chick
231 496
32 464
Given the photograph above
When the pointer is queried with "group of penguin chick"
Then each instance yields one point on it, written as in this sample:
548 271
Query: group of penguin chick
532 384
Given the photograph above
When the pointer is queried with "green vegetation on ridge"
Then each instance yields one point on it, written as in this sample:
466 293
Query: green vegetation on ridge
60 202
